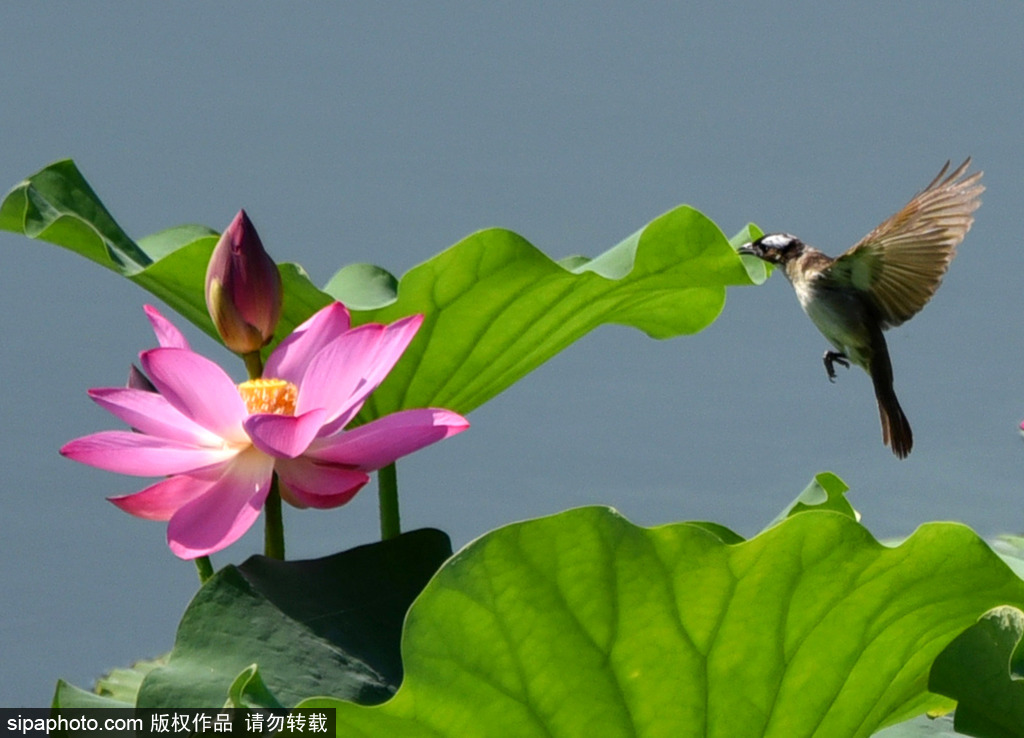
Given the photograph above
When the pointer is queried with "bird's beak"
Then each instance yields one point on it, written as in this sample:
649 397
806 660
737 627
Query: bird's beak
747 248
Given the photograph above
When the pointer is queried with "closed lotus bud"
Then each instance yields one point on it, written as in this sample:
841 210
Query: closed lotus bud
243 288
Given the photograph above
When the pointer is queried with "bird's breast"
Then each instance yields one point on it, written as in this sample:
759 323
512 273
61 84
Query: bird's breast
840 314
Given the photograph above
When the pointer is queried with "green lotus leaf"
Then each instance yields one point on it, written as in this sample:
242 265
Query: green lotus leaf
1011 549
249 691
68 696
496 307
585 624
268 632
123 684
118 688
975 670
825 492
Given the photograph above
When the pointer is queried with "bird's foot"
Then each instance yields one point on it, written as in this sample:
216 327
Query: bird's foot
831 358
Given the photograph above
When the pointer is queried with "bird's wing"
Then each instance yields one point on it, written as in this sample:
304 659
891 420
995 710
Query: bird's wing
901 263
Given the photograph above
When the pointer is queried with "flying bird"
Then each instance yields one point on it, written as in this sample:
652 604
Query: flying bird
880 282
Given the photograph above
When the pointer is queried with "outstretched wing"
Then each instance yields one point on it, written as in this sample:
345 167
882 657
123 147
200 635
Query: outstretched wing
901 263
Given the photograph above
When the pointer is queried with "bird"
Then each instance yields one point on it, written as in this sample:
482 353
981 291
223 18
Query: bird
881 281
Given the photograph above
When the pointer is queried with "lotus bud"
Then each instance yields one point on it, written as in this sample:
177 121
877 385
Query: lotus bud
243 288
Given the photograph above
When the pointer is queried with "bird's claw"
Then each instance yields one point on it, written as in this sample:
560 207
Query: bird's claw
831 358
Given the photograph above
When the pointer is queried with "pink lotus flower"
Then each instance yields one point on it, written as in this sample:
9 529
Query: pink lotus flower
218 444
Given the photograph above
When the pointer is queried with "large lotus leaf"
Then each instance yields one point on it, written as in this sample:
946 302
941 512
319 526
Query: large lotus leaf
58 205
585 624
1011 549
495 306
309 626
123 684
69 696
975 670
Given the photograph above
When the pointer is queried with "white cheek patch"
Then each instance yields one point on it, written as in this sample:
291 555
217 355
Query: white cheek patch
777 240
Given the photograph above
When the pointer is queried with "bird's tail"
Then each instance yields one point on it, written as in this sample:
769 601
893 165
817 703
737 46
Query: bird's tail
895 428
896 431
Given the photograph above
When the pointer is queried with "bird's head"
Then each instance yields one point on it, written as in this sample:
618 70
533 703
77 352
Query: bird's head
775 248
